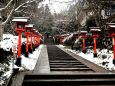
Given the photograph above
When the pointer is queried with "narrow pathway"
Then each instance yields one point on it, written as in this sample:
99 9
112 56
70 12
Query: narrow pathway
65 70
62 62
49 41
42 65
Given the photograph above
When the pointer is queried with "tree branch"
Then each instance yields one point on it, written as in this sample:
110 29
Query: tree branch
1 9
10 15
28 2
15 9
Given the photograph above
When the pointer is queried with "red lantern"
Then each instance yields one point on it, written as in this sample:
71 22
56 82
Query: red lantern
28 29
111 30
36 38
95 33
83 34
20 27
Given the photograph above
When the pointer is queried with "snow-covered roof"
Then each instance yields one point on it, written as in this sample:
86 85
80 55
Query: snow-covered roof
83 31
113 26
65 34
95 30
111 23
20 19
29 25
34 29
76 32
94 27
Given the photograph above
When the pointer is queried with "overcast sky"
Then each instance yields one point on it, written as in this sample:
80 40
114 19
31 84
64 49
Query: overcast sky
58 5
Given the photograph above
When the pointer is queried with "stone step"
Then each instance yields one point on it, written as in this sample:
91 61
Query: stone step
69 80
70 69
68 66
59 61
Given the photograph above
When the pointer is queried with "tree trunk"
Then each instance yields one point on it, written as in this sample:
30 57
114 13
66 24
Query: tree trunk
1 31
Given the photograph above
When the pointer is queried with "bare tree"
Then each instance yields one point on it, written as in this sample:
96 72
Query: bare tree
14 5
96 7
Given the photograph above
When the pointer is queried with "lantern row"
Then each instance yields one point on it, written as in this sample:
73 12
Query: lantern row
94 33
22 25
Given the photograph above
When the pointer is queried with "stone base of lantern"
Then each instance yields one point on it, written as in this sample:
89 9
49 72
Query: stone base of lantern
95 55
15 71
18 62
34 48
30 50
26 54
114 61
84 51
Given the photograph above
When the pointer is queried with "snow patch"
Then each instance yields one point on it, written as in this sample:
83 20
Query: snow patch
27 63
30 62
104 59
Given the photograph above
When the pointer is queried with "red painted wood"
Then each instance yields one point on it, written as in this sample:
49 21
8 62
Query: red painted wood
27 41
31 41
114 47
83 48
19 44
95 45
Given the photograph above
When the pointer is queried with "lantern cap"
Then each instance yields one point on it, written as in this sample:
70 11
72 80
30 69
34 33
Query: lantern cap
94 27
110 23
83 31
29 25
34 29
77 32
65 34
112 26
95 30
20 19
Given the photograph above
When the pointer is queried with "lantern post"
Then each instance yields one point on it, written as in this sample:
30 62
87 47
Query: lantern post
83 35
36 38
111 30
62 38
20 27
33 38
95 33
28 29
31 41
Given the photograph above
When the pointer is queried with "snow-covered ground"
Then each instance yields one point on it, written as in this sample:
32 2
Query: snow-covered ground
27 63
8 41
104 59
